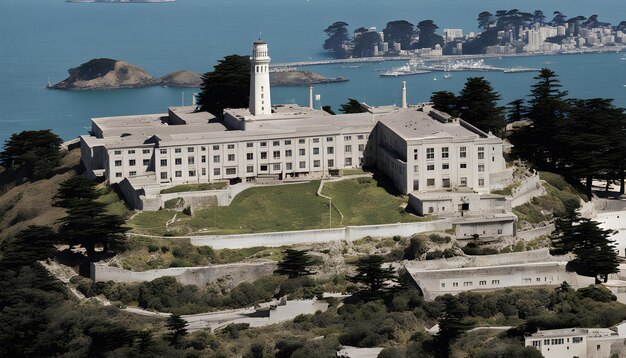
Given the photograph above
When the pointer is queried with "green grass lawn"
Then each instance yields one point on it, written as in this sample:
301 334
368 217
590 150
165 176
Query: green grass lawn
363 202
194 187
286 208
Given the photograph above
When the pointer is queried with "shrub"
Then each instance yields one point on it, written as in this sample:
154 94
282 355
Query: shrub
165 249
153 248
439 239
417 247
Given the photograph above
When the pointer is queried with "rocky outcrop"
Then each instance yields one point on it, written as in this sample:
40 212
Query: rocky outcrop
301 78
182 78
106 73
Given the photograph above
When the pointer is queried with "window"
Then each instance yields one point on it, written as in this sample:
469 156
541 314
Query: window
163 175
276 166
455 284
203 171
263 155
216 159
463 165
203 159
445 152
191 160
481 168
146 162
482 283
177 150
301 151
463 152
348 149
329 139
178 174
546 342
216 171
117 152
216 147
301 141
118 175
316 140
361 147
132 174
316 151
445 166
316 163
249 169
178 161
192 173
288 153
443 285
287 142
163 162
118 163
481 182
445 182
554 341
495 282
146 151
231 157
347 138
331 163
131 162
288 166
231 146
163 151
231 171
577 339
416 168
131 151
430 167
463 181
263 144
348 161
330 150
481 152
190 149
276 154
249 156
415 154
276 143
430 182
302 165
263 168
203 149
430 153
536 343
249 145
360 136
467 283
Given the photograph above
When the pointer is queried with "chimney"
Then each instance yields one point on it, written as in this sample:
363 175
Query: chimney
310 97
404 94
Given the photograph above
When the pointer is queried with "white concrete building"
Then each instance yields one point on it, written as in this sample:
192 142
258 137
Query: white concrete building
578 342
420 149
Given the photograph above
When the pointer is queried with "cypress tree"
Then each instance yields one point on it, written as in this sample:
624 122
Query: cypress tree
295 263
477 104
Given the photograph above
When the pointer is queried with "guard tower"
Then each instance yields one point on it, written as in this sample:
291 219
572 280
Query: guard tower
260 98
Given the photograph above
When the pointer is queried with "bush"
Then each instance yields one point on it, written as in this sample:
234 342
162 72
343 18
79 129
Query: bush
417 247
153 248
439 239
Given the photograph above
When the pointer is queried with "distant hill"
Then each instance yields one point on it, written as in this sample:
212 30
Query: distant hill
106 73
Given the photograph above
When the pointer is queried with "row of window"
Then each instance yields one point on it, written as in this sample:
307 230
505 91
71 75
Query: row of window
445 153
445 182
446 166
471 283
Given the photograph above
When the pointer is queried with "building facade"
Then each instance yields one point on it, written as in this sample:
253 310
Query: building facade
419 148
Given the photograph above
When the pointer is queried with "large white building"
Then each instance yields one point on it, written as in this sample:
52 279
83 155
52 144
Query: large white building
579 342
420 149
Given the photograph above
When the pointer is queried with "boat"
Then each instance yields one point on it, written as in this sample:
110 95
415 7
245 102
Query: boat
434 78
447 76
413 67
520 69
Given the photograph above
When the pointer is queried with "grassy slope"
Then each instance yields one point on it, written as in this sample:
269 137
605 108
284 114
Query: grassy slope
30 203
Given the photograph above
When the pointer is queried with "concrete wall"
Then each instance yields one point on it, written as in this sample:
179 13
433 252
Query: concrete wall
529 189
532 234
503 228
349 233
236 273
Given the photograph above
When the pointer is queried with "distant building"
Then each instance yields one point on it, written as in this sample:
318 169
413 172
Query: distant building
579 342
450 35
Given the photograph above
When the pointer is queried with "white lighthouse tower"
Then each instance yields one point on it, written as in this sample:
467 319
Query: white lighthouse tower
260 98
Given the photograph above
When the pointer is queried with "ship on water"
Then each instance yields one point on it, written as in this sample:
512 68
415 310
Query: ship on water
119 1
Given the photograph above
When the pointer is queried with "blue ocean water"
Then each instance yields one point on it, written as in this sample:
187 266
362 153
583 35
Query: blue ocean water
41 39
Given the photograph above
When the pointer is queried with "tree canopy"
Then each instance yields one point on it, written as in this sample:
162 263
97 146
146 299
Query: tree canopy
427 36
352 106
337 35
364 44
227 86
369 272
295 263
36 151
399 31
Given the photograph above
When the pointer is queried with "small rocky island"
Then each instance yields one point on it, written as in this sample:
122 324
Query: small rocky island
106 73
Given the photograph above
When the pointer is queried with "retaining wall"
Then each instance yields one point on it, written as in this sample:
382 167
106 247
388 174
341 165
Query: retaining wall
529 189
235 273
532 234
348 233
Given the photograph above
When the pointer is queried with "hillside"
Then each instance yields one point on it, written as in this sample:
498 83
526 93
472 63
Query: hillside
30 203
301 78
105 73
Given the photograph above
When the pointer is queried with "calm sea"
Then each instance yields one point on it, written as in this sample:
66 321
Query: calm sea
41 39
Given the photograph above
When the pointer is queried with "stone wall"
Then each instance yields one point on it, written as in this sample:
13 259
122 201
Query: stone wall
234 273
529 189
349 233
532 234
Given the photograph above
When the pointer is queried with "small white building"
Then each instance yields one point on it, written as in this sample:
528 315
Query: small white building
578 342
